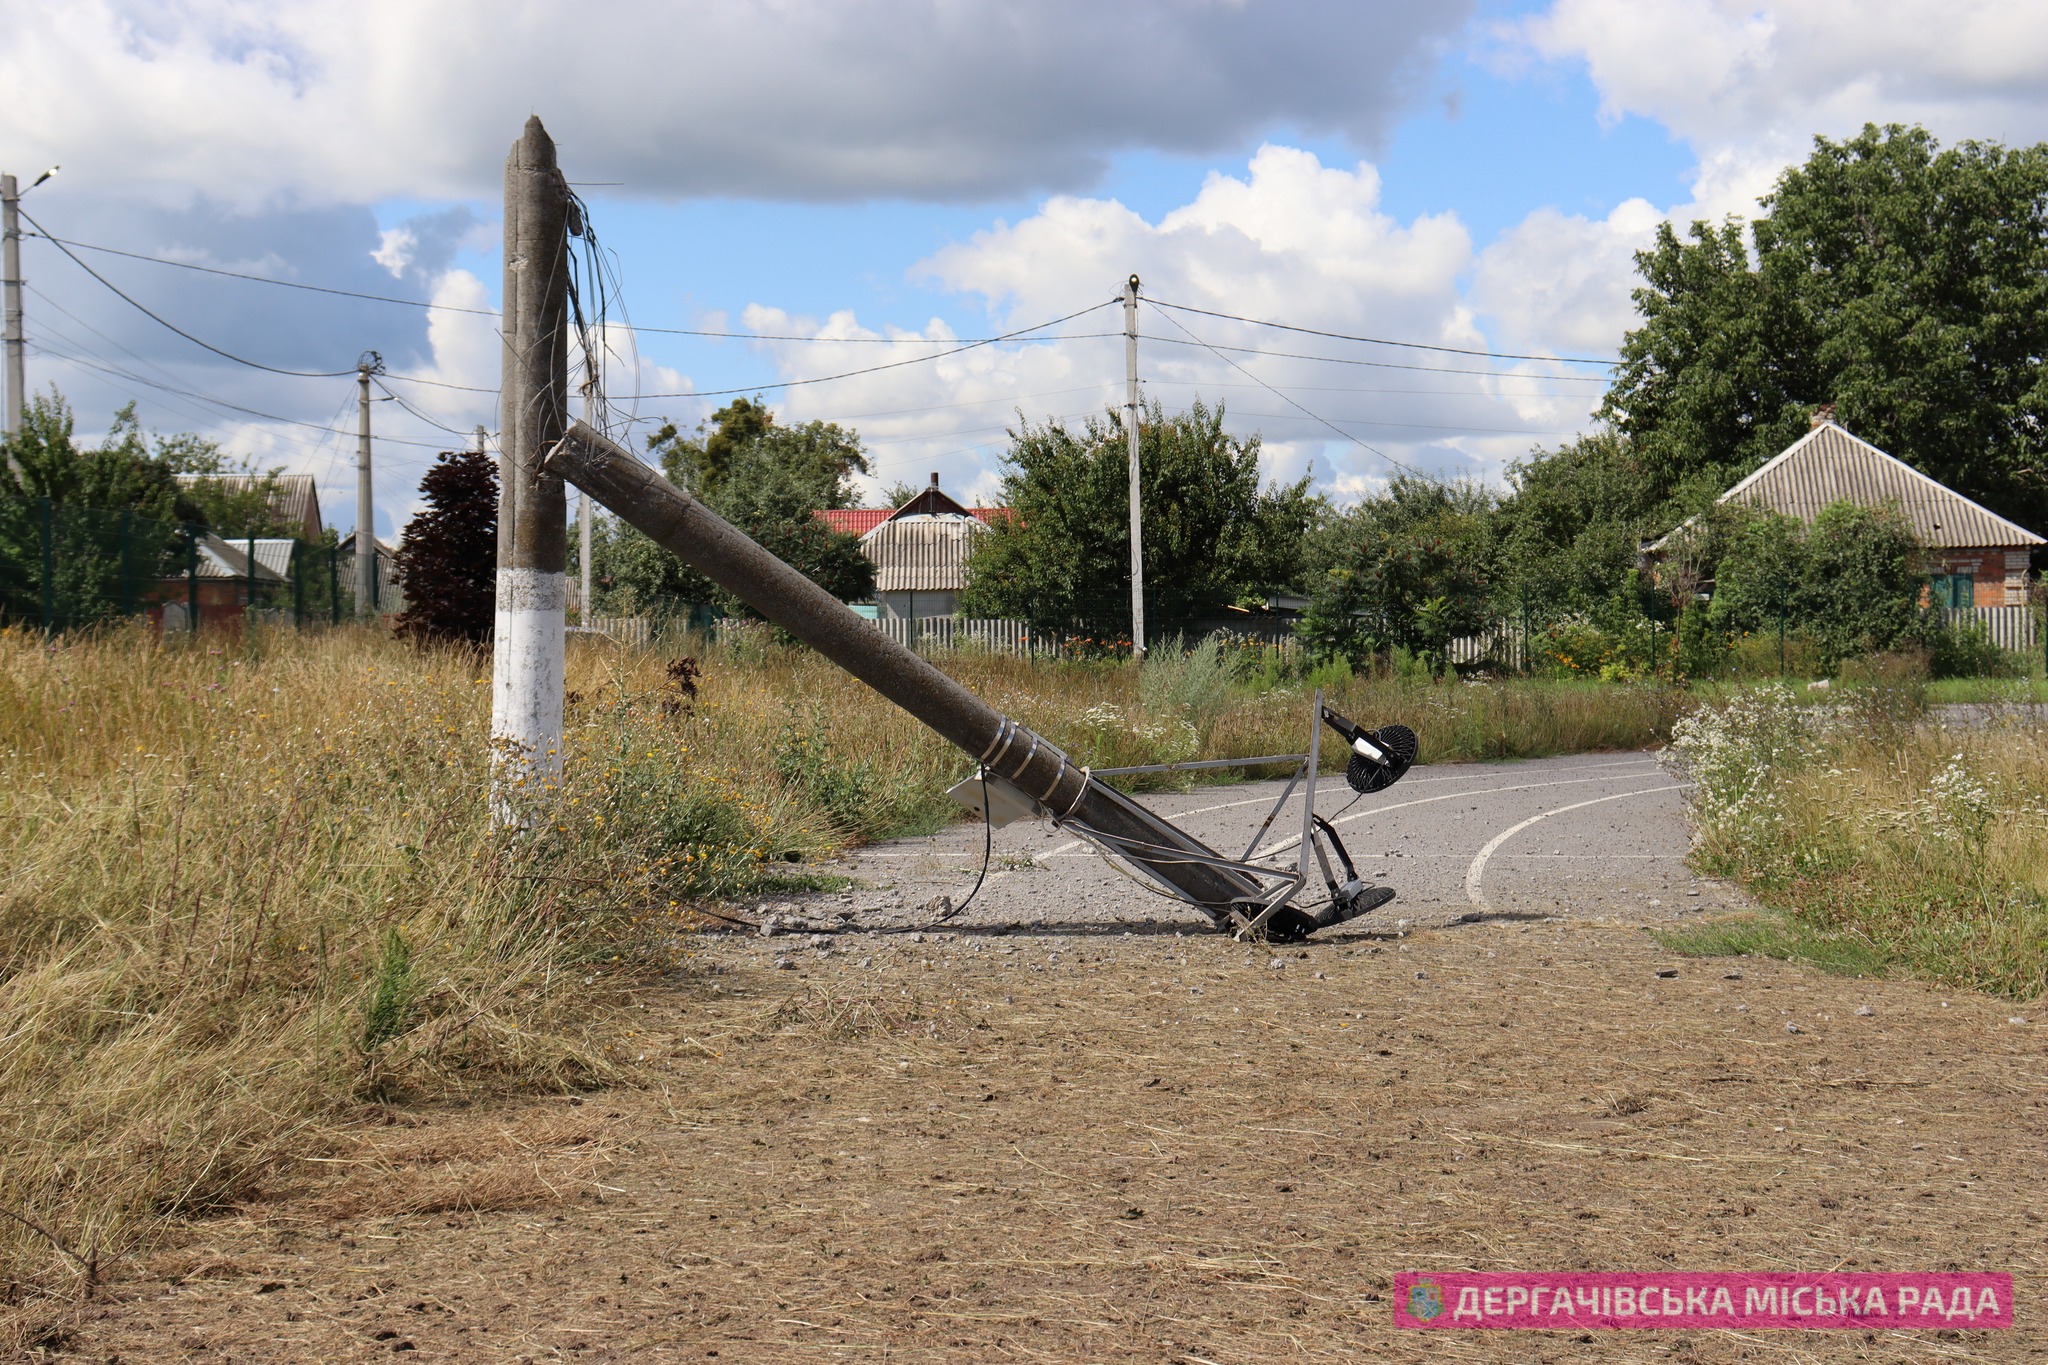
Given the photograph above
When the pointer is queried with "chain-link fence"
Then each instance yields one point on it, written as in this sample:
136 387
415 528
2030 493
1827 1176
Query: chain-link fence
64 567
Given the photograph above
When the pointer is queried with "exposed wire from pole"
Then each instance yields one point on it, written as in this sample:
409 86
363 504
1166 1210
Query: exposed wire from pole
1363 445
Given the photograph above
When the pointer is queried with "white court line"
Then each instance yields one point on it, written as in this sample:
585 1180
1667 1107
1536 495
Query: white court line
1477 870
1291 841
1283 846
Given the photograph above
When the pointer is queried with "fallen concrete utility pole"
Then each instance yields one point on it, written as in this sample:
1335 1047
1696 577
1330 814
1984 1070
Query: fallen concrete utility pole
1021 768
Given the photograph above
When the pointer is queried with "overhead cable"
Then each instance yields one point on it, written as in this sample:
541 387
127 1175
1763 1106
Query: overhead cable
172 326
119 373
1368 364
439 426
492 312
1363 445
1378 341
894 364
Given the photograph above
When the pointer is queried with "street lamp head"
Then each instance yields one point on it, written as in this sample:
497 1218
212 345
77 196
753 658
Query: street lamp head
45 176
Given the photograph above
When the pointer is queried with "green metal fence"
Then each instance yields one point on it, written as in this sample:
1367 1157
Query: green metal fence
64 567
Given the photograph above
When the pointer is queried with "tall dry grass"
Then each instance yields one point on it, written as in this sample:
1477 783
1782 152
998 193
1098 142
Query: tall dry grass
252 886
1889 843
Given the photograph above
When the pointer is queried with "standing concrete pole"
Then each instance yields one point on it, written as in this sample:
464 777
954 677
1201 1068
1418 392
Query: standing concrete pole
1132 411
481 437
526 662
366 504
10 259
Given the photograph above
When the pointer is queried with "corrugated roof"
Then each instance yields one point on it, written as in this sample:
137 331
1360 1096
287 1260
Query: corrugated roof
220 558
1829 464
858 521
854 521
922 553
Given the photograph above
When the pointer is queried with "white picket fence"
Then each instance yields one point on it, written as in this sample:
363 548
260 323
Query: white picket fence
929 634
2013 628
627 630
944 632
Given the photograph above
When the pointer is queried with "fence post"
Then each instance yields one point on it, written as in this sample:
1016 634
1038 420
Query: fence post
334 582
192 577
49 563
127 535
1781 631
298 574
249 609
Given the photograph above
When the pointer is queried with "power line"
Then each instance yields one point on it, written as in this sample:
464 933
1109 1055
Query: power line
892 365
1363 445
1368 364
133 378
1377 341
1345 388
264 279
492 312
465 435
1414 426
164 322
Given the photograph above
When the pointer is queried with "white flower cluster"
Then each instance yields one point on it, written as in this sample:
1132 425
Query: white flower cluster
1736 757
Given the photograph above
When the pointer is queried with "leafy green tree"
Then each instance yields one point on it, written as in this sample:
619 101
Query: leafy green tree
119 475
1572 525
768 480
83 530
1905 283
1408 568
1213 535
1851 581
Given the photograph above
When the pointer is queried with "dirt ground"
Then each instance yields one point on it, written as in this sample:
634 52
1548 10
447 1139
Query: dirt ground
1073 1128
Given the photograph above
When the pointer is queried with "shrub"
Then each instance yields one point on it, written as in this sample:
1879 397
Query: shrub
448 560
1965 649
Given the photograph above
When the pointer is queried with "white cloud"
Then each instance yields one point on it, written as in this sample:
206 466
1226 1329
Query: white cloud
1748 84
245 101
1291 239
1562 280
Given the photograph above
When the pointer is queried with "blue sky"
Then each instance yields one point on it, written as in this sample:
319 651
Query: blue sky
1465 176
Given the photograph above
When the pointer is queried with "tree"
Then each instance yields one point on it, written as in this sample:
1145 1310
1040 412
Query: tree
1905 283
1851 581
768 480
1572 526
448 559
1409 568
84 530
1213 536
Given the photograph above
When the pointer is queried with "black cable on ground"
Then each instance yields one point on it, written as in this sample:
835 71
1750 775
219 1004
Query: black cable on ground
988 840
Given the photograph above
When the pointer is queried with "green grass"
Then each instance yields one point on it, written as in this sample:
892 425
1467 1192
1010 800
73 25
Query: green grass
1994 691
1773 934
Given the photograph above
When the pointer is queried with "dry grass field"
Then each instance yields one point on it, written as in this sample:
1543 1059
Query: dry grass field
251 886
300 1059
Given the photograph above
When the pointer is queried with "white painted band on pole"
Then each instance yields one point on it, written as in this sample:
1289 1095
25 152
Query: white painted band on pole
527 670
